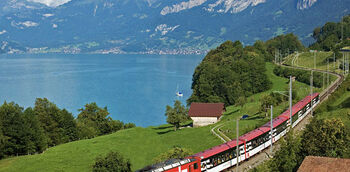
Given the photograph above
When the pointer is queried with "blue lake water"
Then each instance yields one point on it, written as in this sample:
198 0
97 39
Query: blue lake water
135 88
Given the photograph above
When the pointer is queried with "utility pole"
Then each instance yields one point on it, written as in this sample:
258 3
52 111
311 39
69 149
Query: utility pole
271 128
347 63
342 29
237 135
314 60
276 56
290 100
279 56
323 84
311 84
327 72
334 61
343 64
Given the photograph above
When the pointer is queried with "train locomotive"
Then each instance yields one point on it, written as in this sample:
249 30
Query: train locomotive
224 156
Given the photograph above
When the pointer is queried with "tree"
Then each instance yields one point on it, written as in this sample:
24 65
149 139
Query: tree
36 138
13 129
113 162
176 115
174 153
3 140
241 101
229 72
287 158
59 125
325 137
266 102
96 118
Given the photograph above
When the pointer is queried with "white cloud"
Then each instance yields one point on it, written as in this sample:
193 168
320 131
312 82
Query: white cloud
51 3
54 26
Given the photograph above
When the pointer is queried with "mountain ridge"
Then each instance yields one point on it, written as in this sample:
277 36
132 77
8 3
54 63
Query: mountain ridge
138 26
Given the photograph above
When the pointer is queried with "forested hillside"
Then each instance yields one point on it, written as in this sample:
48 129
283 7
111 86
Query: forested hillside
329 37
33 130
232 71
229 72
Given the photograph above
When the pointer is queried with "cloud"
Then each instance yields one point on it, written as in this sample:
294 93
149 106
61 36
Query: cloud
51 3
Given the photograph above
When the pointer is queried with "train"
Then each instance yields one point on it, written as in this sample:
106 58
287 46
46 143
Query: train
224 156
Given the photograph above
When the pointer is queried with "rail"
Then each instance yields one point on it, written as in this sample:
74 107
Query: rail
259 158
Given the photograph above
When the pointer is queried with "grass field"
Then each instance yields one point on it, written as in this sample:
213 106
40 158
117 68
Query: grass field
339 108
141 145
252 106
306 59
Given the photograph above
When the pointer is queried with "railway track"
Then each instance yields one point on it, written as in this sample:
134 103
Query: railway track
266 154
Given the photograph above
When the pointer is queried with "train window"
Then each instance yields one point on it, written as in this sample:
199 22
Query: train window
195 166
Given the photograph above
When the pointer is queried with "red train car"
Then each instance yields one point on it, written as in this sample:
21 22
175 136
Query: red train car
189 164
224 156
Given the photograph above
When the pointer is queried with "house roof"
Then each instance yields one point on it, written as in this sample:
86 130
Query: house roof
206 109
324 164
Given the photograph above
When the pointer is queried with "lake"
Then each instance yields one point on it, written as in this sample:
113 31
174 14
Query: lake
135 88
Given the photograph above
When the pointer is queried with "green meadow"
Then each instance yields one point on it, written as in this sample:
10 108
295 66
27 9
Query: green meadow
142 145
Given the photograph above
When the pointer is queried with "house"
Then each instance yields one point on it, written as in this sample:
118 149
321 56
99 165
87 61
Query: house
324 164
204 114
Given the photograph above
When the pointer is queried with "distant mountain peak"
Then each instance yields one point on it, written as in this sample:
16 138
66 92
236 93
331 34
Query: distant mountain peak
220 6
305 4
50 3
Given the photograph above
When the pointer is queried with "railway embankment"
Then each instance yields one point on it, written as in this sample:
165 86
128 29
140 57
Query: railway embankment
267 154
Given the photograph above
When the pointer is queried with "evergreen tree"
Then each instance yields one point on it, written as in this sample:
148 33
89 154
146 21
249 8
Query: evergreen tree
69 126
36 138
3 140
13 129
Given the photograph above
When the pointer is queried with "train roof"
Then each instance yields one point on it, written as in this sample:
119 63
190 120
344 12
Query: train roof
298 106
255 133
276 121
217 149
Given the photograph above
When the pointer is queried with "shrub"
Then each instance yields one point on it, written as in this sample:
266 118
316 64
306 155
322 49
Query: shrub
113 161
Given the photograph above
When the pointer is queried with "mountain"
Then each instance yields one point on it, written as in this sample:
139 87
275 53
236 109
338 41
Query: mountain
51 3
161 26
18 6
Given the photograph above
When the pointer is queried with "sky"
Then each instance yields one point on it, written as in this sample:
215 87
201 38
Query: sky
51 3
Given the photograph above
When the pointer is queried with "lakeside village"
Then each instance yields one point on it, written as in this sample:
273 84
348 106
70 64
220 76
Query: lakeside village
115 50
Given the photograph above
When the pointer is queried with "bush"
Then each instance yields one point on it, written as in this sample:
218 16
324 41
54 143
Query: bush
113 161
174 153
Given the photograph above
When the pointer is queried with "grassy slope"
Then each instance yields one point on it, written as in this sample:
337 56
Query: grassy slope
337 112
141 145
253 105
307 60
